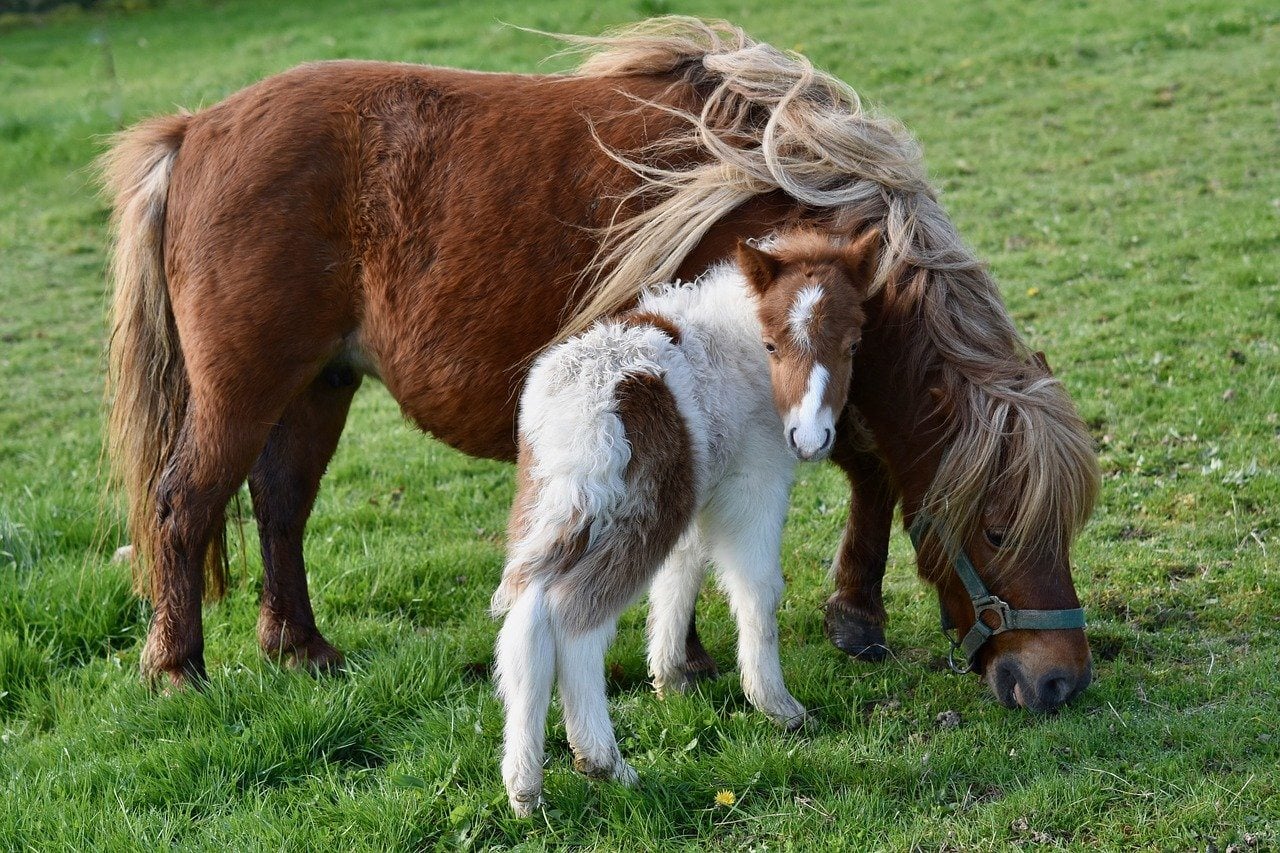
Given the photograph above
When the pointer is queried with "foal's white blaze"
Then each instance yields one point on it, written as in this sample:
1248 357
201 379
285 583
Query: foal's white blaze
811 425
800 317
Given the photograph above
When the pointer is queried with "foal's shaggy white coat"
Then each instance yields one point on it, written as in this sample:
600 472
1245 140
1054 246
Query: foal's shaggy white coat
576 455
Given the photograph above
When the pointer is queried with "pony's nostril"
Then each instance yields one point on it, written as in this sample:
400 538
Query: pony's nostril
791 437
826 440
1003 680
1053 690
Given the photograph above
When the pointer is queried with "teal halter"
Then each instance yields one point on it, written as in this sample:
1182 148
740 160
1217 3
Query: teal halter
984 602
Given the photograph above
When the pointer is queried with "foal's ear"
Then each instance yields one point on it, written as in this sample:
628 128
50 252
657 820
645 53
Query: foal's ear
760 267
862 258
1038 355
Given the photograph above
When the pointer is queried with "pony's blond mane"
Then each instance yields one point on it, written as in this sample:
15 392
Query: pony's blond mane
769 121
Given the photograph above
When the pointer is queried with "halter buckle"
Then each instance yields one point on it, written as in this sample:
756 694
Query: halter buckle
993 604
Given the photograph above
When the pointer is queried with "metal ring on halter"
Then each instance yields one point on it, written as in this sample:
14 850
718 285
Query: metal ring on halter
1008 618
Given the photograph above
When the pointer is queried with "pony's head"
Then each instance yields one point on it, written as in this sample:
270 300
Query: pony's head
810 291
1016 481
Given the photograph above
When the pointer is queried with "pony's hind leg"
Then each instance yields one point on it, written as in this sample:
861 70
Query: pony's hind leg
209 462
524 669
284 482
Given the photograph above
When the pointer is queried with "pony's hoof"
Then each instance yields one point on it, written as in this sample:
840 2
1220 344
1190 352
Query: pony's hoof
853 634
699 667
306 650
169 680
525 803
316 657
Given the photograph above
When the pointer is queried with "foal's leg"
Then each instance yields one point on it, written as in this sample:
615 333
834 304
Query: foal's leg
525 666
580 675
283 483
672 600
855 614
743 525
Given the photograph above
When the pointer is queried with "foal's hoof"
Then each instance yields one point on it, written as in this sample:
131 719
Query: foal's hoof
853 634
792 720
614 770
525 803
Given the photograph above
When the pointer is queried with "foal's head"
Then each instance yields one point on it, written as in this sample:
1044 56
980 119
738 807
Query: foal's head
810 291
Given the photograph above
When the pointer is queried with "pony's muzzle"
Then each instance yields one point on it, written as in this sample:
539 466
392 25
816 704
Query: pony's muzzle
1044 691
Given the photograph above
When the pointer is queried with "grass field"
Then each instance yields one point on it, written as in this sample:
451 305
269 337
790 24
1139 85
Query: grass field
1117 165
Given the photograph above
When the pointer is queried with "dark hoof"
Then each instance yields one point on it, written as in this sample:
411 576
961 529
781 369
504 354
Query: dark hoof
854 635
299 649
700 668
176 679
316 657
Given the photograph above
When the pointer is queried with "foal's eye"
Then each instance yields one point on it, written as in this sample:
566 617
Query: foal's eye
995 537
770 348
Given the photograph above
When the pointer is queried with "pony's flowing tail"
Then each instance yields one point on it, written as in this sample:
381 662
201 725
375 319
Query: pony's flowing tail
147 385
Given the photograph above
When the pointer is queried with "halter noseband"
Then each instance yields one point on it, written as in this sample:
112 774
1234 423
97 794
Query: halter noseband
984 602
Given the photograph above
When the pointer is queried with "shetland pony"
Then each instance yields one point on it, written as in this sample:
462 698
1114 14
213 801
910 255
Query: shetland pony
684 417
430 227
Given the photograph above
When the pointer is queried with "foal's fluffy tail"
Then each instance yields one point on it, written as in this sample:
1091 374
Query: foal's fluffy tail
608 482
147 385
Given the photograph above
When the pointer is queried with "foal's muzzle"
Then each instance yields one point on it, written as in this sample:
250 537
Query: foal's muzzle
806 448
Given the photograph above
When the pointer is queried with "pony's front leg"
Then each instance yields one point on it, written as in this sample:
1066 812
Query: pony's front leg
580 672
855 614
673 665
743 525
525 668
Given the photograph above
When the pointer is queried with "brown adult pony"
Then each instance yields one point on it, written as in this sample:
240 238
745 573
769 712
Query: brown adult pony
431 227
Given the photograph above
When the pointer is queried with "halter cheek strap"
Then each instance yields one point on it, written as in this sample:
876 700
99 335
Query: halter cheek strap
1006 617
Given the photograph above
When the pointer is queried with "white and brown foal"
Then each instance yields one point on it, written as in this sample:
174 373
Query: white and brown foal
648 444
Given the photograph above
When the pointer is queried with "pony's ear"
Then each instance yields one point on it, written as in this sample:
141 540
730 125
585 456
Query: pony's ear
760 267
862 258
1038 355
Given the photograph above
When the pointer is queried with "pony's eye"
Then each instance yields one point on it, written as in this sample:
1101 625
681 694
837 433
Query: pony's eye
770 348
853 348
995 537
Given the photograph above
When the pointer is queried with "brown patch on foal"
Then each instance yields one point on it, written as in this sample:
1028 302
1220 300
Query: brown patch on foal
648 318
662 496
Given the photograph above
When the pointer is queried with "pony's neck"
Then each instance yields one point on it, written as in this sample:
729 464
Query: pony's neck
894 399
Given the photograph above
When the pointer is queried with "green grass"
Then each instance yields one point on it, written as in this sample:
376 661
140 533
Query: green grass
1115 162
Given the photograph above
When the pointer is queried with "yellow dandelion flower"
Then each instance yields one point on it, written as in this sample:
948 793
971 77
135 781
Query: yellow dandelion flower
725 798
1033 291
